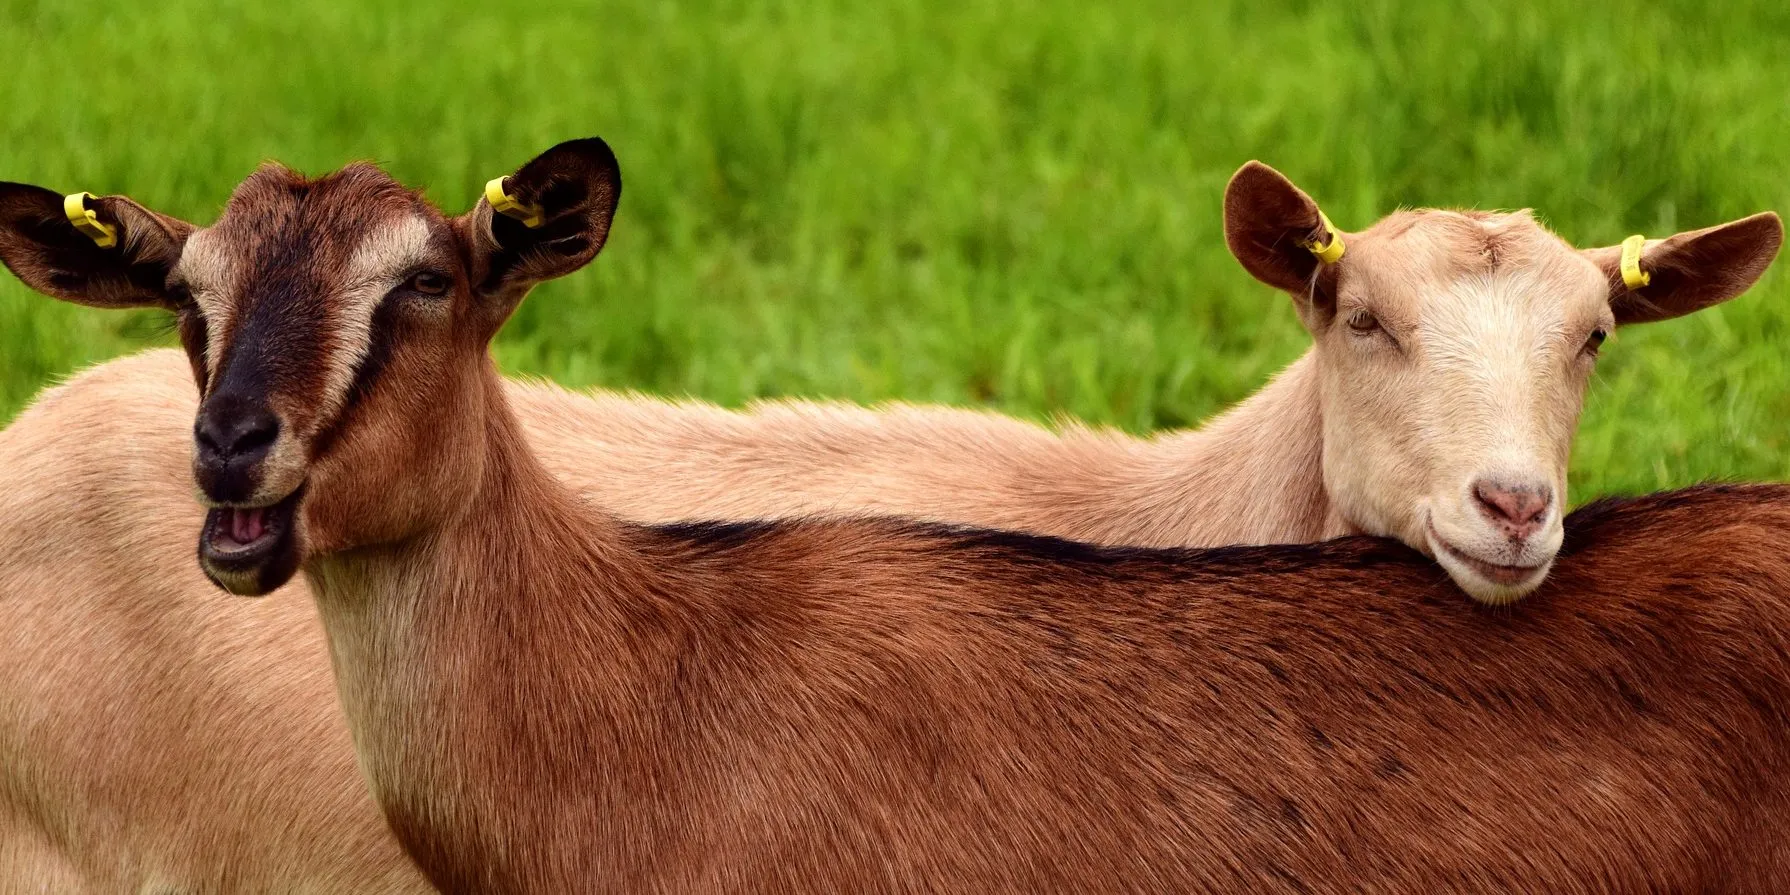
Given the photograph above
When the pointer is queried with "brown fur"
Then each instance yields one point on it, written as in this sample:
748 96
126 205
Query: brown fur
548 700
1074 485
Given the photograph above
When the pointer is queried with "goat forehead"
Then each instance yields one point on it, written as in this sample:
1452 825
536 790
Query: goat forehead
291 253
1443 245
336 285
277 220
1474 272
1532 303
1492 318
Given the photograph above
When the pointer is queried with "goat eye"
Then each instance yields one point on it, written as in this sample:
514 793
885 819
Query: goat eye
180 296
428 283
1362 321
1596 341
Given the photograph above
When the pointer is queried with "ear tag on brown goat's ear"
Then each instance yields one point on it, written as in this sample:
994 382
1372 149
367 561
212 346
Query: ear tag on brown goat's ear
1632 275
74 205
505 204
1327 252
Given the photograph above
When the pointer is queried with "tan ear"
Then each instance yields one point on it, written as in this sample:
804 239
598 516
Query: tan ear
1692 270
570 193
41 247
1268 224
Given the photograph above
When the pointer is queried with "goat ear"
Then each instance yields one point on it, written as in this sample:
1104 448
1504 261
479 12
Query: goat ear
1692 270
1269 225
41 247
569 193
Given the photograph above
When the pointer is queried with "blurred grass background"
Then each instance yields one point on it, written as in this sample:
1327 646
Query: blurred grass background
970 201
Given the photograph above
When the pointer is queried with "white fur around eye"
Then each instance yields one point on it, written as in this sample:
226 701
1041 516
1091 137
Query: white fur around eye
210 273
386 256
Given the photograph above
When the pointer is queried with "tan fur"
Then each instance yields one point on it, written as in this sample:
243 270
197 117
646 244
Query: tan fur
154 736
1253 476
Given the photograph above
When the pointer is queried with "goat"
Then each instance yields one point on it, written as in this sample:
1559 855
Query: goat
545 697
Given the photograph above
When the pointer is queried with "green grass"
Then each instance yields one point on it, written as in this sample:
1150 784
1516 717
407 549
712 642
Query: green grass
1010 204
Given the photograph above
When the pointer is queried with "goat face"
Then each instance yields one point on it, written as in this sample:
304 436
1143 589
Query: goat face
1452 371
1453 352
336 329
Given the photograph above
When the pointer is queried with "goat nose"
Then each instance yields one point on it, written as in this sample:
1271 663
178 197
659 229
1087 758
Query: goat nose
235 430
1516 509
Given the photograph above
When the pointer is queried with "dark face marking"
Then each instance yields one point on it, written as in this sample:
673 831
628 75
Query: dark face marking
292 295
297 298
190 322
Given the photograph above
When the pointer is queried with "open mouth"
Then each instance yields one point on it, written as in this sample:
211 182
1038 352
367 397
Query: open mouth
239 540
1508 576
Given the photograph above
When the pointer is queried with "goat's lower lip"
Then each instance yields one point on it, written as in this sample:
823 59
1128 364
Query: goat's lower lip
1497 574
267 528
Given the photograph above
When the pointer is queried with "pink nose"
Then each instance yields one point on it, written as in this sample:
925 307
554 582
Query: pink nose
1517 510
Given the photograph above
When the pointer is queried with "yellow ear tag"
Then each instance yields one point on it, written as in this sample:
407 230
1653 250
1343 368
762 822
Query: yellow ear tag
74 205
1330 252
1632 274
505 204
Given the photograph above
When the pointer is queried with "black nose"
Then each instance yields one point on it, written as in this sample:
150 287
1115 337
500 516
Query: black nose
230 429
233 436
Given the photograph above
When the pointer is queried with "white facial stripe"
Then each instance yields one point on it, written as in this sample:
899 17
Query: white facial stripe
389 251
211 275
384 257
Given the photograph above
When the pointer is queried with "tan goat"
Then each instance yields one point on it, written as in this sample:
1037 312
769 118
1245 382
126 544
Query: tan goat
547 698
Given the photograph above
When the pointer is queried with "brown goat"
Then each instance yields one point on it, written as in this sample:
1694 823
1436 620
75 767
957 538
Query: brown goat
548 699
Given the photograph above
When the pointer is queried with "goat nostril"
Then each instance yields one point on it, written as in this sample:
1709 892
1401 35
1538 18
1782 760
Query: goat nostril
1521 506
258 432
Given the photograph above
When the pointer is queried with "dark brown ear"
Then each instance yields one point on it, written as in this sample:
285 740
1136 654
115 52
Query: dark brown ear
575 187
1692 270
41 247
1268 223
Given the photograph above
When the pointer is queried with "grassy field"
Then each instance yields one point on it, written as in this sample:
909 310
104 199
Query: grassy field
1010 204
